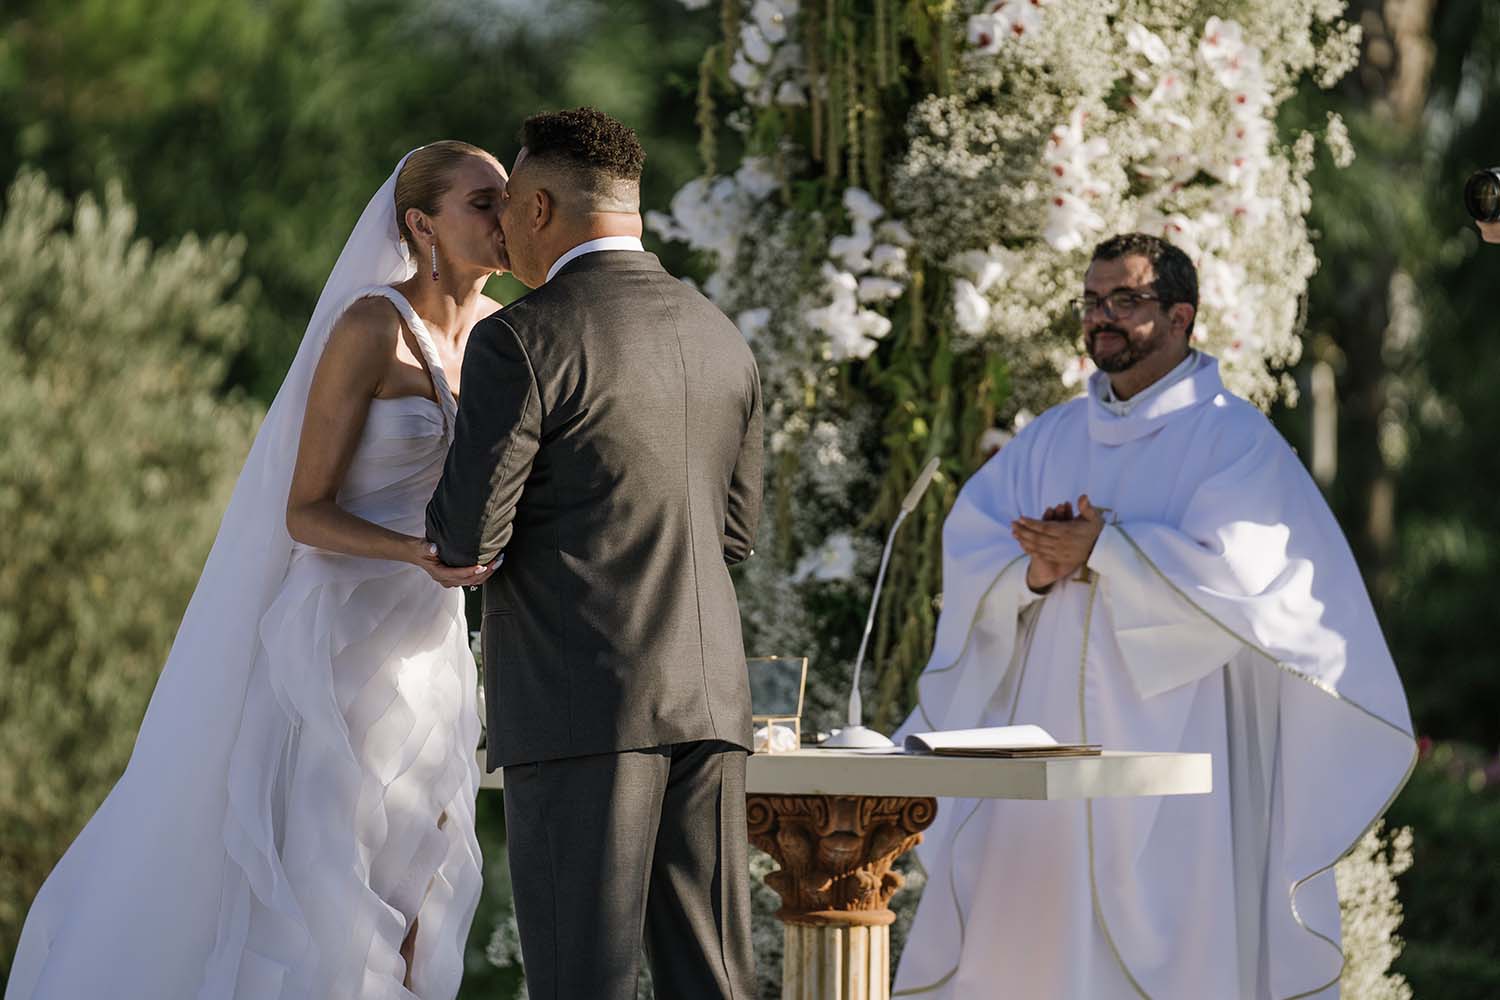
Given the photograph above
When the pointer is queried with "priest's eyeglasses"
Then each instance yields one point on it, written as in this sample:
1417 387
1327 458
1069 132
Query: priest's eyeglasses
1117 304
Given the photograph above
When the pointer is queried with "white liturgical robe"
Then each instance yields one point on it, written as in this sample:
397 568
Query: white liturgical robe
1221 612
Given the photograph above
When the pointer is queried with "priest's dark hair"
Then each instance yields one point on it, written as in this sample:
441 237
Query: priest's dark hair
602 156
1176 277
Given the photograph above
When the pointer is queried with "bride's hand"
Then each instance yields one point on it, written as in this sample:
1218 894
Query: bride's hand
425 556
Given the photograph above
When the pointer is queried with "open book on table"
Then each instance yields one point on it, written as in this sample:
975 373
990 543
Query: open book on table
997 741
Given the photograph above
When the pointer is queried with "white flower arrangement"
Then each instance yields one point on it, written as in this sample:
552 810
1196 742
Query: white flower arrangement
767 65
1060 122
867 268
923 188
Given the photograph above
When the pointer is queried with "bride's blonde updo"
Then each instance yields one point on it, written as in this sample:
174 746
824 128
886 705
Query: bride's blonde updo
426 177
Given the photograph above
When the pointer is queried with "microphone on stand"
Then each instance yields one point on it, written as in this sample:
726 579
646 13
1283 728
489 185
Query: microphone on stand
855 735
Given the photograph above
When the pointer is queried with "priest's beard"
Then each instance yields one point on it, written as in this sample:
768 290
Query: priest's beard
1132 350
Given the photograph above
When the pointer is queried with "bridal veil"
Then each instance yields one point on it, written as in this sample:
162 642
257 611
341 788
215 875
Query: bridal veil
138 894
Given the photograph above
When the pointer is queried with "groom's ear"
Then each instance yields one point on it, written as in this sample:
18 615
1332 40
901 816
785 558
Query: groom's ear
542 208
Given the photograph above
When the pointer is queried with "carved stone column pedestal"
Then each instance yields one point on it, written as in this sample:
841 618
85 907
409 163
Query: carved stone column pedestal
835 881
836 963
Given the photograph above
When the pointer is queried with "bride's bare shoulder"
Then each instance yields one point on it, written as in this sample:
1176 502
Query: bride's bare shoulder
362 344
367 325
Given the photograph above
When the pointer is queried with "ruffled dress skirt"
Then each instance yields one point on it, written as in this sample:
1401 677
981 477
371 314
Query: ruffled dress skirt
351 816
350 822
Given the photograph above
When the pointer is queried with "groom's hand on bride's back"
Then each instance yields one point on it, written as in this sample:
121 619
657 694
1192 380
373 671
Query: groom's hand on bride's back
424 554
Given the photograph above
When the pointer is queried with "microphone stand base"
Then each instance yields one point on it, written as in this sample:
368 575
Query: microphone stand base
856 738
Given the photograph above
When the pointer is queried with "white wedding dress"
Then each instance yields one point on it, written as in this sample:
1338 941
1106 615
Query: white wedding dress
301 795
353 813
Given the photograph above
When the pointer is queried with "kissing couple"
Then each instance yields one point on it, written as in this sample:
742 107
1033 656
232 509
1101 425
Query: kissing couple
297 818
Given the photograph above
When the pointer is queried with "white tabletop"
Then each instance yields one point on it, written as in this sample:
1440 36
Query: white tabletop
847 772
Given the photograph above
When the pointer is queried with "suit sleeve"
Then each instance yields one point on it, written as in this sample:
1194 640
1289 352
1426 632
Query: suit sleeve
742 515
495 442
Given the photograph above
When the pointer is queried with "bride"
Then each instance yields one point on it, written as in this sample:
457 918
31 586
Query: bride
297 818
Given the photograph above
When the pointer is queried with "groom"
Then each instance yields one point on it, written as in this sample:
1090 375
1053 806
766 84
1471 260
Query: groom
609 443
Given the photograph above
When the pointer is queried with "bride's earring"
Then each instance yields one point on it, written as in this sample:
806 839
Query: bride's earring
434 260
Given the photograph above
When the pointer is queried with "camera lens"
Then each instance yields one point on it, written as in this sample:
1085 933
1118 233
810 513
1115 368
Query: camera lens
1482 195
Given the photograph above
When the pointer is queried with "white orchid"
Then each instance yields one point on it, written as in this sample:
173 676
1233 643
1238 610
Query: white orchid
861 206
743 72
848 328
1224 51
753 321
1243 154
665 226
852 332
889 259
993 439
849 336
891 231
861 273
710 214
971 309
876 289
1025 16
1247 206
1068 155
1166 92
984 268
833 560
987 32
1076 372
1004 20
1197 236
1250 97
1147 43
1174 158
1069 221
791 95
754 44
853 251
772 18
757 176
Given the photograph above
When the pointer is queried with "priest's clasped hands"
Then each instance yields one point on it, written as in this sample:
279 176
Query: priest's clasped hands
1059 543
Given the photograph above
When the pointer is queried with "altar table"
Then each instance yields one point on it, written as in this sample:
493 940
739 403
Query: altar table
836 820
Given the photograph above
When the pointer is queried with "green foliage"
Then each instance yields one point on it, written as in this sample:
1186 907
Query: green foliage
1449 529
277 120
117 459
1452 898
1402 307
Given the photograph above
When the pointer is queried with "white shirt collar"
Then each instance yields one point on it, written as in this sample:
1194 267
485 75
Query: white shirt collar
1123 407
603 243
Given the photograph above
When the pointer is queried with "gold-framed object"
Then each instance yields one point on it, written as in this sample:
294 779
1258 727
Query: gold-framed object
777 686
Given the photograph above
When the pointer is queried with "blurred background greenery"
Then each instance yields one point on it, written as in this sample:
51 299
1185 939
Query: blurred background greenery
181 176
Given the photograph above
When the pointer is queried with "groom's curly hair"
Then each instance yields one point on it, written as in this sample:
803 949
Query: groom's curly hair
602 155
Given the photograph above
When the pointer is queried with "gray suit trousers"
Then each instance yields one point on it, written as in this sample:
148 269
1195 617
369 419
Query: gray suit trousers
612 849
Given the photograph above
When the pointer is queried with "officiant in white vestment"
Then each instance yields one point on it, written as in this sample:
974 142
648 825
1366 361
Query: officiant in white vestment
1149 567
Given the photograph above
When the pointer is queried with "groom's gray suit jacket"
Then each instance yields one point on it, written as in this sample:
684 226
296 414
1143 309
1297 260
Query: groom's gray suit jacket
609 443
